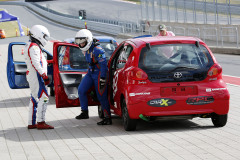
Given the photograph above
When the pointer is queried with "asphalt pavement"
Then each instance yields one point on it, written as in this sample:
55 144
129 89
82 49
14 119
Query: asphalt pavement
73 139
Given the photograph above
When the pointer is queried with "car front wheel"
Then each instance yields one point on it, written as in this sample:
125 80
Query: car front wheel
219 120
128 123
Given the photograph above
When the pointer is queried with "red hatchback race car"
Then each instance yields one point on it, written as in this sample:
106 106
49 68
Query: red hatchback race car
166 77
149 78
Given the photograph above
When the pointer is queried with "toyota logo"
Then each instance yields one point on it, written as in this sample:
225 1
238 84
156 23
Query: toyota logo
177 75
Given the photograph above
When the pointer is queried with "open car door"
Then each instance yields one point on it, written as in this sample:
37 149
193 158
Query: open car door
17 68
70 67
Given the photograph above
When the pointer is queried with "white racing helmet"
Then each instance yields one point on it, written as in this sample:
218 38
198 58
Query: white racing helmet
82 36
40 33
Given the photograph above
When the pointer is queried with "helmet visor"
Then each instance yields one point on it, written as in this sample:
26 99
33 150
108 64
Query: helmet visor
46 37
80 40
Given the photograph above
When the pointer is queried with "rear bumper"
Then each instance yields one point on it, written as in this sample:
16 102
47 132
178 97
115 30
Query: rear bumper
180 108
211 97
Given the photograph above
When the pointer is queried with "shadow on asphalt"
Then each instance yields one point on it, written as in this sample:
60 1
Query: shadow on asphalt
77 129
14 102
70 128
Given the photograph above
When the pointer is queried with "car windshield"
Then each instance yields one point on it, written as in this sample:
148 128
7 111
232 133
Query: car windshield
162 60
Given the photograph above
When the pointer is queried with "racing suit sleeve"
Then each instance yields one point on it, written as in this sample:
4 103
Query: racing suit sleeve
101 58
35 58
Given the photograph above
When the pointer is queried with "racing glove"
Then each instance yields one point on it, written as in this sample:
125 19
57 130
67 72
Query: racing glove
46 79
102 82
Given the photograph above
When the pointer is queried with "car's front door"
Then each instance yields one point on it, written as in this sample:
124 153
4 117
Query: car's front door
117 75
17 68
70 67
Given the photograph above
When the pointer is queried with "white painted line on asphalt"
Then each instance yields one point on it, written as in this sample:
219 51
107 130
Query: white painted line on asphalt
233 85
125 1
231 76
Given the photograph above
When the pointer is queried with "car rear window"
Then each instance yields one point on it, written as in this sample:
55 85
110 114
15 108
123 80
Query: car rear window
108 48
160 62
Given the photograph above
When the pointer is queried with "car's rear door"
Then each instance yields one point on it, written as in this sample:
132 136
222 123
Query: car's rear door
70 67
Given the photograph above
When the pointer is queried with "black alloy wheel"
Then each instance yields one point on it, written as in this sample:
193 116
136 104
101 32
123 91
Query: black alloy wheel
219 120
128 123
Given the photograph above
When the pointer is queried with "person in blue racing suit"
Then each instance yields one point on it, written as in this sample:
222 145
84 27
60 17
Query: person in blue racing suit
96 76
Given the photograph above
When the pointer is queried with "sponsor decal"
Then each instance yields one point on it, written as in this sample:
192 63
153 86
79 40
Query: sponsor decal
208 90
101 56
201 100
115 81
142 82
138 94
161 102
214 89
115 104
212 79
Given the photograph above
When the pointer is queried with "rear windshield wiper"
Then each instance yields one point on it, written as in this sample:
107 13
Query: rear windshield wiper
184 67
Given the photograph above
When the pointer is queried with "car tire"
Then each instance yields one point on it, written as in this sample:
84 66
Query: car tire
100 112
52 91
219 120
128 123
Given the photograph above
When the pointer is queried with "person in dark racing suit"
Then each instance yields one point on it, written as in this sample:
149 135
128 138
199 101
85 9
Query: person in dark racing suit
96 76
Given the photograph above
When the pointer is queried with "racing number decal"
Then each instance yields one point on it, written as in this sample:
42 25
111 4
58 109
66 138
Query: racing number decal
115 80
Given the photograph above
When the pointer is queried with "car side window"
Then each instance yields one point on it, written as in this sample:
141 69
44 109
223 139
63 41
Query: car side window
18 53
123 56
71 58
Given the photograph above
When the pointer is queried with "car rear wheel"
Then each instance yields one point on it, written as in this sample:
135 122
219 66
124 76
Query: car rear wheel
100 112
219 120
128 123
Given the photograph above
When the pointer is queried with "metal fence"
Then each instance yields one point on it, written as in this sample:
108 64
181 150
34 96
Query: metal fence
228 36
191 11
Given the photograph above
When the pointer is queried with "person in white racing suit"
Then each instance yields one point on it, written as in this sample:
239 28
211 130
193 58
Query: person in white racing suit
37 77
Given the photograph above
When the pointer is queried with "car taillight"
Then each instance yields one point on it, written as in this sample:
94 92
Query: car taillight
215 71
137 74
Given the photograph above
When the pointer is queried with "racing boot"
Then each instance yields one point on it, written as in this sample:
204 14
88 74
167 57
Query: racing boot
105 121
32 126
43 125
83 115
